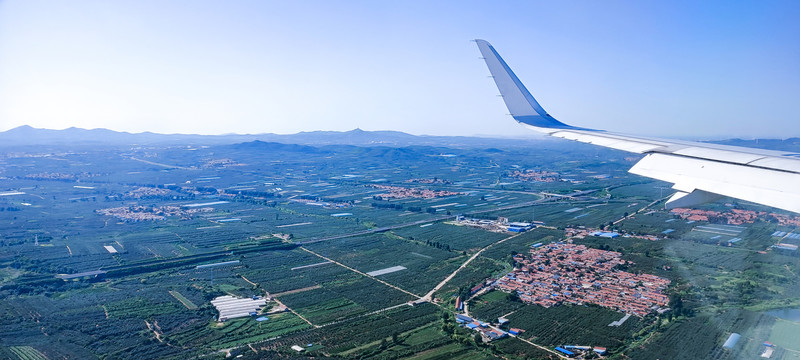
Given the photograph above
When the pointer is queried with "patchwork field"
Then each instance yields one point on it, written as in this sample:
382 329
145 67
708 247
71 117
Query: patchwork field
344 244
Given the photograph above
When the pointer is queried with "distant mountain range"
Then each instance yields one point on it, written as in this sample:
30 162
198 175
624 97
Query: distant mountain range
790 144
26 135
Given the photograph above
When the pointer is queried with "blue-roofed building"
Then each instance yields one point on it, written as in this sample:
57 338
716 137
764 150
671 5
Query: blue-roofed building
565 351
495 334
790 247
605 234
463 318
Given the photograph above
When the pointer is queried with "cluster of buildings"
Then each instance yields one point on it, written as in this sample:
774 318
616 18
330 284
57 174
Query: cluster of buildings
786 220
732 217
572 350
220 163
567 273
735 216
500 225
50 176
144 192
531 175
399 192
769 348
487 332
584 232
231 307
149 213
429 181
784 246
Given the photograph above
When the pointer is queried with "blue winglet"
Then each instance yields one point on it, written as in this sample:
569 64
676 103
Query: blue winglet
523 107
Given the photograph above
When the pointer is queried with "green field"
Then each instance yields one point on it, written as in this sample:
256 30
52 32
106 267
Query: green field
263 213
786 334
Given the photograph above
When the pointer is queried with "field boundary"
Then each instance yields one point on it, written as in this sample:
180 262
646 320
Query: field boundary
186 302
295 291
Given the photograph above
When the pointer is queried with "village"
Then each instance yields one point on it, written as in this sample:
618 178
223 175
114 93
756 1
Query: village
429 181
501 225
399 192
145 192
149 213
735 216
540 176
568 273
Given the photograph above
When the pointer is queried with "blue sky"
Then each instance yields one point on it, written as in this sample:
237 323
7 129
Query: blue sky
661 68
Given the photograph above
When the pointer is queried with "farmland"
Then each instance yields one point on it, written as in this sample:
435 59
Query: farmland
305 228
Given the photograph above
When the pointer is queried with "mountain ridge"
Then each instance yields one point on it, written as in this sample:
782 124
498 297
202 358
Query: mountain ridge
28 135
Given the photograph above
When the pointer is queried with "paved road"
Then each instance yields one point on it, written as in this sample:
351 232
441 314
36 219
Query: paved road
428 296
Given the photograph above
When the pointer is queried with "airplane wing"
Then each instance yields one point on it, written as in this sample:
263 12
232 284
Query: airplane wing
701 172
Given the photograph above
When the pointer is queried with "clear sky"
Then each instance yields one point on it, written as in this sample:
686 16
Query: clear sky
664 68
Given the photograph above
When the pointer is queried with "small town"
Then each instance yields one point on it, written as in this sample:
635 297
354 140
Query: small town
567 273
734 216
540 176
148 213
501 225
144 192
429 181
399 192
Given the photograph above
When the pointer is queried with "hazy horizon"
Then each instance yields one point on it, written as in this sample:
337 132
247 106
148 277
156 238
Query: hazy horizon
678 69
526 135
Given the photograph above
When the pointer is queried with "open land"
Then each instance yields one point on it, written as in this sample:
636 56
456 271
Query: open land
373 252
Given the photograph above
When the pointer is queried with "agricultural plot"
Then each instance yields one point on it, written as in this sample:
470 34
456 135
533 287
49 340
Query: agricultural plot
186 302
560 325
343 295
655 222
493 305
475 273
425 342
460 238
152 301
26 353
360 332
642 193
707 334
237 332
516 348
786 334
425 265
582 325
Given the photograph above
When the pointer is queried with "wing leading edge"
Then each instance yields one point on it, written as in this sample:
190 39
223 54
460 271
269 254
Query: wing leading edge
701 172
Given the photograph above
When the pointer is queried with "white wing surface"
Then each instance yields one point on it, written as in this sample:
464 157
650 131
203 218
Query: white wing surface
701 172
